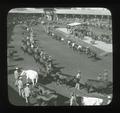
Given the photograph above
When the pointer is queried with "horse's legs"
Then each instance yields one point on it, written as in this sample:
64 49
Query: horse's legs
26 99
33 82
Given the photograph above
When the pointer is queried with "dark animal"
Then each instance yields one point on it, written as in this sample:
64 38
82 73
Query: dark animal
97 85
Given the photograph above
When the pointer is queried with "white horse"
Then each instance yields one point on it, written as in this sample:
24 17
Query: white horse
30 74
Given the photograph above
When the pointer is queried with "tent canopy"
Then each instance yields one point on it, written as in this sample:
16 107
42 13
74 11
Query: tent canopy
74 24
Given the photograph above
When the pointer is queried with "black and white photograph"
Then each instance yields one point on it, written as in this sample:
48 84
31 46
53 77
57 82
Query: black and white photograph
60 56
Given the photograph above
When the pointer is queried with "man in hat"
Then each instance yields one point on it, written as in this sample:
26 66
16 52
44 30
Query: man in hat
49 59
73 100
27 92
99 77
19 84
77 78
16 75
105 75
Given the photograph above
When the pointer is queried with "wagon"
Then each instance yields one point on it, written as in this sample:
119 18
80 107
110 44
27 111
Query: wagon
99 86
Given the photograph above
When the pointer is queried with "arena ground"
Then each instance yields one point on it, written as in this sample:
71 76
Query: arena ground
64 58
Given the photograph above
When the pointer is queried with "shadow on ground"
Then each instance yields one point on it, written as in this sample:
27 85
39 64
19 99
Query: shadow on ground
12 65
19 59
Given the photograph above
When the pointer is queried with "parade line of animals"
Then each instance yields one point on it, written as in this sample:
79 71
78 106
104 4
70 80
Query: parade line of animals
76 47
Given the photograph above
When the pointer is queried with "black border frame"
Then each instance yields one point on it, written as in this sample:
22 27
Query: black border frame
4 104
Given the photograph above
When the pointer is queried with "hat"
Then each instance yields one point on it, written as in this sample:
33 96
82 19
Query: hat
27 84
27 37
109 96
16 68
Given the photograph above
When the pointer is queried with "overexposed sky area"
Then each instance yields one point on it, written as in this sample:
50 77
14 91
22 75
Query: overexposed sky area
62 10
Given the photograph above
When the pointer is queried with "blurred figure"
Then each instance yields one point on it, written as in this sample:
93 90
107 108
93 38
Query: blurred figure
105 75
27 92
16 75
99 77
78 78
19 85
73 100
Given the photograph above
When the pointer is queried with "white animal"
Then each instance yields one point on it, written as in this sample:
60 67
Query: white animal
30 74
90 101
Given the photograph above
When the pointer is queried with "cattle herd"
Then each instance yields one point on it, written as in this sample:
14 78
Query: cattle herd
36 94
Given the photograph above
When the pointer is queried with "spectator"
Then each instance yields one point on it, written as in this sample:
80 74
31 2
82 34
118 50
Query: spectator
16 75
105 75
77 78
73 100
99 77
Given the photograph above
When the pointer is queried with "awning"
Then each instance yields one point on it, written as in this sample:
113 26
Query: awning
74 24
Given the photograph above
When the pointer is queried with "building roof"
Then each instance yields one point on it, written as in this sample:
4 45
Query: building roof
84 12
74 24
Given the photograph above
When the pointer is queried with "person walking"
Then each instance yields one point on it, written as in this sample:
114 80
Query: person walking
27 92
73 100
105 75
78 78
16 75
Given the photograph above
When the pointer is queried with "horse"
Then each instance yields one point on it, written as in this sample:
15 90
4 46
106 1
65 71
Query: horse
69 42
75 47
30 74
97 85
79 48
